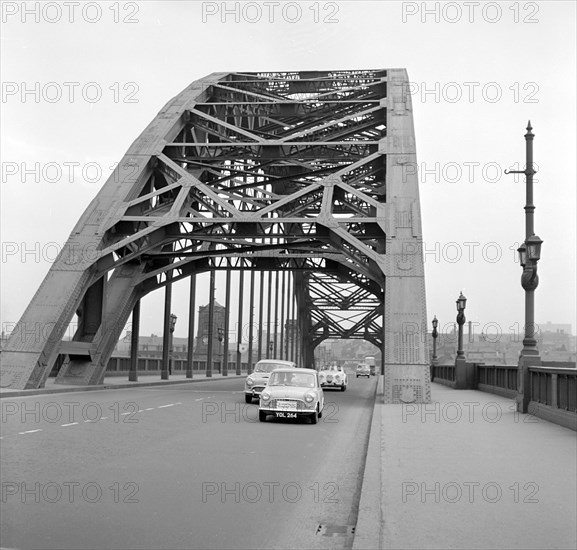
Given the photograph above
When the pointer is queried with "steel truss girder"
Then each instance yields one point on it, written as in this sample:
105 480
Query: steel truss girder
298 171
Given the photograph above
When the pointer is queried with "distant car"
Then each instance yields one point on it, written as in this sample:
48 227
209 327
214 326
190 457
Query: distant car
333 376
292 393
363 370
256 381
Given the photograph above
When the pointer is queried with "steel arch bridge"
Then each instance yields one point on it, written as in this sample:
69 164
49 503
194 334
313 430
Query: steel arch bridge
312 172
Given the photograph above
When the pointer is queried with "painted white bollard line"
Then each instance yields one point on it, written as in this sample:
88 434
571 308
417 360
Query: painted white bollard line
30 431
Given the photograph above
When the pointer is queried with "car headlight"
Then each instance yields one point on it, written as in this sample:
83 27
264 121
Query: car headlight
338 377
309 397
249 381
265 396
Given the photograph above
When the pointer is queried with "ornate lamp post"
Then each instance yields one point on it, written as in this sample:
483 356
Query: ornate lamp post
529 254
171 325
435 334
461 302
220 332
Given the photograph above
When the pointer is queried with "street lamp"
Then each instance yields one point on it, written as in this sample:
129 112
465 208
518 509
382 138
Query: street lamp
461 303
171 325
529 255
220 332
434 361
435 335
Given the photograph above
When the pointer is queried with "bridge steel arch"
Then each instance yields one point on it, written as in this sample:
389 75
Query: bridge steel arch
312 172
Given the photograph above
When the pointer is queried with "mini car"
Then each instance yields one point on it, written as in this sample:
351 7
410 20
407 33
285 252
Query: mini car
256 381
363 370
292 393
333 376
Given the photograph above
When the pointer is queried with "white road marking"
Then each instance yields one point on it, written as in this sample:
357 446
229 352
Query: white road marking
71 424
164 406
30 432
149 409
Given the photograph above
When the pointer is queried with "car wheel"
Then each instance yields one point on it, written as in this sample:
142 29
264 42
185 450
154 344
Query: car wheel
343 388
320 414
315 417
357 375
247 398
262 416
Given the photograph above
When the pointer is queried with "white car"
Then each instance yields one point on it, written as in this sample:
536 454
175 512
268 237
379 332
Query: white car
333 376
256 381
292 393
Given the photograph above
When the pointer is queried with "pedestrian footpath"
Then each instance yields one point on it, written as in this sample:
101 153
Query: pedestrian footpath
466 471
117 382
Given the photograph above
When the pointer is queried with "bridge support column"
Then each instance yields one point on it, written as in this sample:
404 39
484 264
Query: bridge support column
464 374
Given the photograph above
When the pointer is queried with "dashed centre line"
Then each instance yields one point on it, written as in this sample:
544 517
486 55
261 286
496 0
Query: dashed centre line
93 421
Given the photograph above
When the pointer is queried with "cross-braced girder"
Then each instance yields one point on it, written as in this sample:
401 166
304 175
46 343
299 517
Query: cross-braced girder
295 171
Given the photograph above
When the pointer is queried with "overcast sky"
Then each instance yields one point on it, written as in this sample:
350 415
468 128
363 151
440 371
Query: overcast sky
478 72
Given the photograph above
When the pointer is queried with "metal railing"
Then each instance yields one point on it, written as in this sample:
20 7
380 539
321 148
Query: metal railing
493 378
444 374
552 390
554 387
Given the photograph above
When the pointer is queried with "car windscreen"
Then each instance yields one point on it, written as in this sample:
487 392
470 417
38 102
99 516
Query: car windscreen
303 380
267 367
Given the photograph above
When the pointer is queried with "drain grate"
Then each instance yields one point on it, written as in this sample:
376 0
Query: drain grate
335 530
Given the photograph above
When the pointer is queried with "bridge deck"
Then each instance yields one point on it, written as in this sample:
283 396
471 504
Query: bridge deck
465 471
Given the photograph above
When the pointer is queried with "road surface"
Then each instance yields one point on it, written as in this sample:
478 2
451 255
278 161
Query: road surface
183 466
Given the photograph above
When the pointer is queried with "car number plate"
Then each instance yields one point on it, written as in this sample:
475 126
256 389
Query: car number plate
286 405
286 414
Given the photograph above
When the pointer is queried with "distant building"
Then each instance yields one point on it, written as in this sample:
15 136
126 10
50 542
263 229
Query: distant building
555 328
